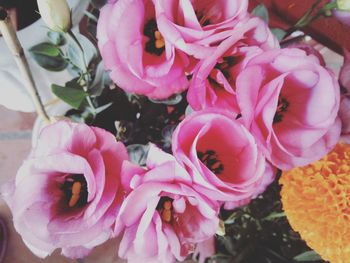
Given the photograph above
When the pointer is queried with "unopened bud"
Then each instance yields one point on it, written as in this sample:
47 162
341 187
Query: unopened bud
56 14
343 5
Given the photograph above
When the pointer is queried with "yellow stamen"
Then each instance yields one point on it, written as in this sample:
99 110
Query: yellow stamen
167 205
166 213
75 194
160 43
158 35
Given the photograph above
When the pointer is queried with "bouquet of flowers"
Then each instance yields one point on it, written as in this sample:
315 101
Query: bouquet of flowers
192 134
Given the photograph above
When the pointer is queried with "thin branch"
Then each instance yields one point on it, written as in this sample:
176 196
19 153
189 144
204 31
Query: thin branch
10 37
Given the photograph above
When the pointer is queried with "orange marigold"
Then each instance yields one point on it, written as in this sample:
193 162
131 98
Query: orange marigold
316 200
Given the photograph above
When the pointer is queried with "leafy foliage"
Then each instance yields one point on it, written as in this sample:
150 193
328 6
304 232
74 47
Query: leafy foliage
262 12
48 56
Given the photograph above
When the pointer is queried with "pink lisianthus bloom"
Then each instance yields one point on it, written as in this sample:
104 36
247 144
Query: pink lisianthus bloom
67 192
290 104
140 60
222 157
163 217
196 26
309 49
213 82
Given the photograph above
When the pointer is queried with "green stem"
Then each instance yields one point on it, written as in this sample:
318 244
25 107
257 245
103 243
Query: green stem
309 17
77 43
84 74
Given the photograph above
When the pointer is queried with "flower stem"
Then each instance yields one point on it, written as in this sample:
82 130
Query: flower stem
10 37
77 43
85 74
310 16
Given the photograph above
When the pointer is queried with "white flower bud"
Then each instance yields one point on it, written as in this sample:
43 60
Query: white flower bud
343 5
56 14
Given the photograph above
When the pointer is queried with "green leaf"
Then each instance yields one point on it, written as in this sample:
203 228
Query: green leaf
262 12
74 53
91 16
50 63
48 56
56 38
46 49
100 82
279 33
138 153
274 215
173 100
102 108
308 256
70 95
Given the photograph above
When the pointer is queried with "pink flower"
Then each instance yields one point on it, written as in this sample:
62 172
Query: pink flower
290 104
163 217
309 49
196 26
67 193
140 59
213 82
222 157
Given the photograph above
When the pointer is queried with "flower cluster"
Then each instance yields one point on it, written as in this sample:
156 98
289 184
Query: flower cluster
321 189
228 60
257 108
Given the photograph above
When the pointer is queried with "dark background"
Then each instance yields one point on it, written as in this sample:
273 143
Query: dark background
27 10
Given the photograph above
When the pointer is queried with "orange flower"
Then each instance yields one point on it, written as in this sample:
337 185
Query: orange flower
316 200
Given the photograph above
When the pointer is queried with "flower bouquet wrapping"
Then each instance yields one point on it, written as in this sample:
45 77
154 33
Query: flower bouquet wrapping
187 118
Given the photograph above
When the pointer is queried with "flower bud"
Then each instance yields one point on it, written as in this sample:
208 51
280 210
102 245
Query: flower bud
343 5
56 14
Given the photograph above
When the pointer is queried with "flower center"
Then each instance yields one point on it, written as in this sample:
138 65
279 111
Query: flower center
75 190
165 209
282 107
203 19
155 44
210 159
225 66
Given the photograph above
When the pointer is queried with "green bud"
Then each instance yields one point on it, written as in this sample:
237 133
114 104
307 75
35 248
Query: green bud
56 14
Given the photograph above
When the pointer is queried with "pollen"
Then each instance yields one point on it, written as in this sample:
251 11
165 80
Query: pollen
76 188
166 213
159 43
316 200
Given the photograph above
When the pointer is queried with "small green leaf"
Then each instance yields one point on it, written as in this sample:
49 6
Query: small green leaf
279 33
173 100
56 38
103 108
138 153
74 52
262 12
46 49
274 215
50 63
48 56
308 256
100 82
91 16
72 96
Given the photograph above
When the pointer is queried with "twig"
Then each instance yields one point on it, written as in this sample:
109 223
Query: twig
10 37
